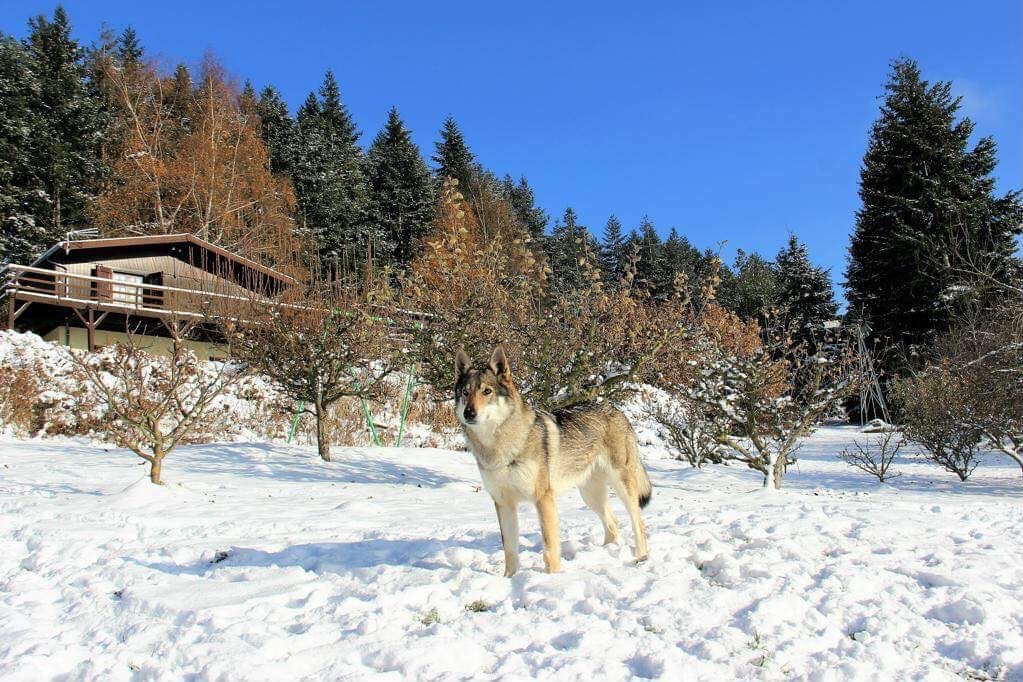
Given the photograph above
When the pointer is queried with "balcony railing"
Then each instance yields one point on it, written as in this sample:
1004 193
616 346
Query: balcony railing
141 298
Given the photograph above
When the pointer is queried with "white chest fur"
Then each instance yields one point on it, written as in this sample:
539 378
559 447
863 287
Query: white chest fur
510 483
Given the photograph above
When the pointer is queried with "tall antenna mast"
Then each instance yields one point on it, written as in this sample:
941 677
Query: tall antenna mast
871 394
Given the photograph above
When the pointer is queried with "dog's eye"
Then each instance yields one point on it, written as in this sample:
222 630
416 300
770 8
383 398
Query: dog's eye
465 391
487 391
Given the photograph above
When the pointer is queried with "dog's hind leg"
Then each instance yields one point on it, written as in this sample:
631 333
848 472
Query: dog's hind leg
627 488
594 492
547 508
508 519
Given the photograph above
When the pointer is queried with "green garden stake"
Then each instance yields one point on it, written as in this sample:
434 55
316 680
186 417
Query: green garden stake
365 409
294 422
406 403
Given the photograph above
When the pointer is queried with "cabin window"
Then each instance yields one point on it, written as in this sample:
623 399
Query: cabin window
129 290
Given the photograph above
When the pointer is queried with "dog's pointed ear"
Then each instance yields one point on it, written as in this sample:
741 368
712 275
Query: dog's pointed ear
499 363
462 362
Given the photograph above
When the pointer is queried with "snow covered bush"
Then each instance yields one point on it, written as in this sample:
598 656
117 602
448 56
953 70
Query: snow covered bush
39 390
986 354
969 395
687 433
17 413
759 403
151 404
875 459
938 413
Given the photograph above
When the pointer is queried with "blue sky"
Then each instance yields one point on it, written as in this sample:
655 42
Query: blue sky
730 121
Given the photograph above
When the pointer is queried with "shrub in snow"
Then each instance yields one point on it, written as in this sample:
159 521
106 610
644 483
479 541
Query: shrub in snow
939 416
760 402
151 404
969 395
39 390
875 459
986 356
688 434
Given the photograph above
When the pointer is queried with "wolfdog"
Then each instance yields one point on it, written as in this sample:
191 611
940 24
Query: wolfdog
525 454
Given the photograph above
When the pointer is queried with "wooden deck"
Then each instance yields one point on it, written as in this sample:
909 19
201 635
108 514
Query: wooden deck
92 299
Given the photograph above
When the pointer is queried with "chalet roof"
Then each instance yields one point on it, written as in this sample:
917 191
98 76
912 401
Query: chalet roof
188 245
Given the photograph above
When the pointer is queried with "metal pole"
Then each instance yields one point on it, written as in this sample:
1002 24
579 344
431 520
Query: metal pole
406 403
294 422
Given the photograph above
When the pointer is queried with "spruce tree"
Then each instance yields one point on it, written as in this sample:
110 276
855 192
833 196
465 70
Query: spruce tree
681 257
520 195
651 273
401 199
751 289
613 251
277 129
56 170
571 252
330 184
804 294
22 200
453 158
248 100
178 103
129 50
927 199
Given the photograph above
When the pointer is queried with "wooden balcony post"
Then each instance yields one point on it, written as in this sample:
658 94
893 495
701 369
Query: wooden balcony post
10 311
91 327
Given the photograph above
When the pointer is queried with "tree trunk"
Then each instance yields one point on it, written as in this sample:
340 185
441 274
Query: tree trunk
1016 455
779 470
322 440
155 467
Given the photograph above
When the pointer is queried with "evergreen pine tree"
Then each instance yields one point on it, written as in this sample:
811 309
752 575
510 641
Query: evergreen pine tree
613 251
453 158
248 100
56 170
330 184
129 50
401 188
178 101
21 197
681 257
751 290
571 251
926 199
804 293
651 273
277 129
533 218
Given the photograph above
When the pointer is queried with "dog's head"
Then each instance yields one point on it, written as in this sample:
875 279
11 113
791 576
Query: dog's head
484 397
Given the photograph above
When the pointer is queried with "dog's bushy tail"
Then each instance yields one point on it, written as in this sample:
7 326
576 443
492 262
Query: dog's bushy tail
643 485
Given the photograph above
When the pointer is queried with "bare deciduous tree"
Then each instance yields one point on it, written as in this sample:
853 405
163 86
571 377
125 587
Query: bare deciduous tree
937 409
875 459
150 403
320 345
970 392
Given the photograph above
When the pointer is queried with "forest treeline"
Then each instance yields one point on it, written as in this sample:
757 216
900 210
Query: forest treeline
101 136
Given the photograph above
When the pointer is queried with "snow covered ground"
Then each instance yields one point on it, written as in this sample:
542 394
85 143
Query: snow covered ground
262 562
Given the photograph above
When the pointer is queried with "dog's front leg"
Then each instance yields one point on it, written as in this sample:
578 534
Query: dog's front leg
547 508
508 519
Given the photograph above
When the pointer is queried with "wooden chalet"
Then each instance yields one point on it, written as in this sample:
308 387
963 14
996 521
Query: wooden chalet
87 294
